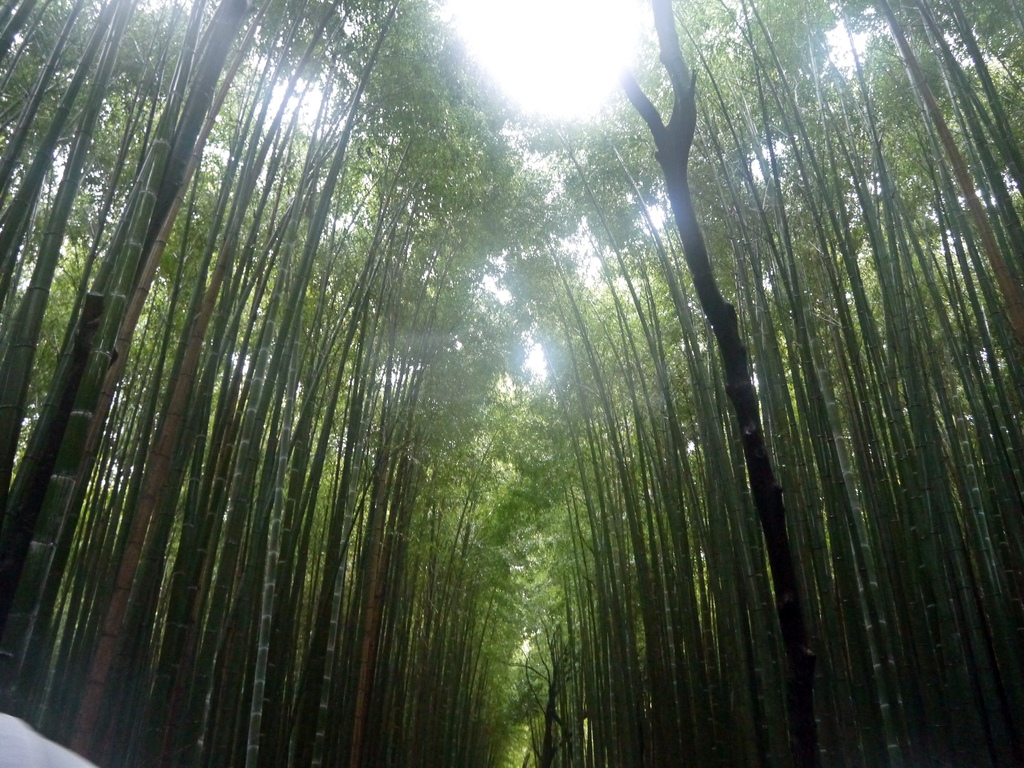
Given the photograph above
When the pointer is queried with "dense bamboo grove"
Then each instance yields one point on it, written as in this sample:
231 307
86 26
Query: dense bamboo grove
278 490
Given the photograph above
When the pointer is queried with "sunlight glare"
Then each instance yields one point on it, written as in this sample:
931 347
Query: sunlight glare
656 215
498 292
307 100
558 58
843 55
536 363
491 282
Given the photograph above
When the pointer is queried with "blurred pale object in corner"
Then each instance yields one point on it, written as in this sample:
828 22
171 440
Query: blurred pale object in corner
22 747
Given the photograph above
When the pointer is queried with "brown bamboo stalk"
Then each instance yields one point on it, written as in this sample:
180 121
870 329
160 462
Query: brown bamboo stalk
1013 294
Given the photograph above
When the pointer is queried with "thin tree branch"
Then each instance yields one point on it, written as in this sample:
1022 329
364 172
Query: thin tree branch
643 105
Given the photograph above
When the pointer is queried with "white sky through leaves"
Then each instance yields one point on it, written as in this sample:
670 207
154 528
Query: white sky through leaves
558 58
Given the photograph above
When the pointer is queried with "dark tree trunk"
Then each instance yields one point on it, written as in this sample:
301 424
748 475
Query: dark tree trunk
19 523
547 748
673 142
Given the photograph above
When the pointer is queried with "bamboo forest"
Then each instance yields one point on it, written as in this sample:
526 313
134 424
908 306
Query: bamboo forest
353 414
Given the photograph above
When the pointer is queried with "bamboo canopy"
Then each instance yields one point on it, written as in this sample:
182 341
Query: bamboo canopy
284 483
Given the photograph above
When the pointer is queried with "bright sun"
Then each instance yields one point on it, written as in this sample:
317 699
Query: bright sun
558 58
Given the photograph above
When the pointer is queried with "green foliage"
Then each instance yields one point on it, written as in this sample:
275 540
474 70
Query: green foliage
439 515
